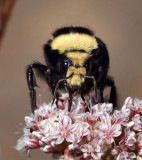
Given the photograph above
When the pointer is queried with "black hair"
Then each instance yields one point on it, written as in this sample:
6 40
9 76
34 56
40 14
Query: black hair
71 29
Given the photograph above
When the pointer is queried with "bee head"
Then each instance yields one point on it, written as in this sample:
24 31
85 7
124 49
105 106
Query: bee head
75 47
77 67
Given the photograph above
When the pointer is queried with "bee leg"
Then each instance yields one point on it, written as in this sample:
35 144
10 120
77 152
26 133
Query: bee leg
57 99
32 81
113 93
57 86
100 96
56 89
66 86
82 97
95 85
70 102
86 105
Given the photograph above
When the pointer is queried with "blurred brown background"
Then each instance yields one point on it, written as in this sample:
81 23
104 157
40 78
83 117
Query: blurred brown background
118 23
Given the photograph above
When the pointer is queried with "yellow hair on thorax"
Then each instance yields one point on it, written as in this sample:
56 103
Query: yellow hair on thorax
77 58
74 41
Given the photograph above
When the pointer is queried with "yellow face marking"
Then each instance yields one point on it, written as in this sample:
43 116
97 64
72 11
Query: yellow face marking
76 79
74 41
77 58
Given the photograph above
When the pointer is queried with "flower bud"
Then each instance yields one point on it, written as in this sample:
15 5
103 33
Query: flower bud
85 155
32 144
53 143
47 148
128 101
140 145
114 152
140 152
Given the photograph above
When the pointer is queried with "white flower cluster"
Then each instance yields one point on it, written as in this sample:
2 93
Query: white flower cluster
92 132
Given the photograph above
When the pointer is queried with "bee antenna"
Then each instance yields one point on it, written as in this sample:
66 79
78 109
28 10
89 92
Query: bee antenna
95 84
57 86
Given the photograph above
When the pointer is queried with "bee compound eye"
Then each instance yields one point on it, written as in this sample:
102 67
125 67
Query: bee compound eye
65 64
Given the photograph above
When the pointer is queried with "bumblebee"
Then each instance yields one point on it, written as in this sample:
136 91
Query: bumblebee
77 61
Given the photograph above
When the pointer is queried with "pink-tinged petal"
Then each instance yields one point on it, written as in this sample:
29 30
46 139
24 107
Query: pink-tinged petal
107 107
139 136
97 148
114 152
53 143
106 130
86 132
32 143
21 144
85 156
96 156
109 140
59 139
138 122
37 134
132 155
128 101
55 134
140 152
86 148
73 146
130 124
131 141
29 121
45 140
73 127
47 148
70 138
101 134
66 121
116 130
101 127
139 145
119 117
125 111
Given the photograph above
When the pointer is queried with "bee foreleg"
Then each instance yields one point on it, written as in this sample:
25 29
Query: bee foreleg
41 69
113 92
